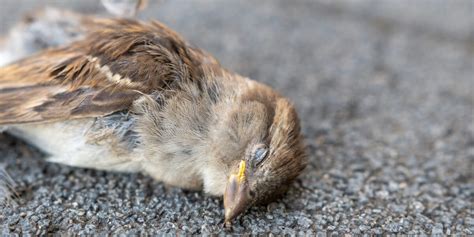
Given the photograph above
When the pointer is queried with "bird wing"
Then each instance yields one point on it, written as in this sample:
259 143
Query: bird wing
103 73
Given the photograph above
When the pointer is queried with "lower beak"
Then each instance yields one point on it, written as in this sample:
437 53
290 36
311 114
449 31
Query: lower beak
236 196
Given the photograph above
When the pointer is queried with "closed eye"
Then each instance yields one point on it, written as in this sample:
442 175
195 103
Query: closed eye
259 154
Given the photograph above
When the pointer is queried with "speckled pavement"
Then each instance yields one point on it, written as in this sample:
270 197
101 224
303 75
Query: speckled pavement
385 92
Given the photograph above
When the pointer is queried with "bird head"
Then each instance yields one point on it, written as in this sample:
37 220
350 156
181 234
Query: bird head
244 140
273 158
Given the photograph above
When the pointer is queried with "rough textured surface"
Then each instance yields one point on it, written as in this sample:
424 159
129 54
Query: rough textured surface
386 96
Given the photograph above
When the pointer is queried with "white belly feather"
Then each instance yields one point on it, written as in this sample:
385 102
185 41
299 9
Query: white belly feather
74 143
68 142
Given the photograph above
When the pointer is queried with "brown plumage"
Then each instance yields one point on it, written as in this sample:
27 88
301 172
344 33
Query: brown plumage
99 75
134 96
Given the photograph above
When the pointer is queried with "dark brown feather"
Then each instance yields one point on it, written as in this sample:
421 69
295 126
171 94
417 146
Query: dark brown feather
105 72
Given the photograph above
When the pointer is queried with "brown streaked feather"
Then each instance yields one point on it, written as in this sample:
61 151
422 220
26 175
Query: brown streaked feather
105 72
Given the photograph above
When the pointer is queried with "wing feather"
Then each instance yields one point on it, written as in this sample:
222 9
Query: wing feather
103 73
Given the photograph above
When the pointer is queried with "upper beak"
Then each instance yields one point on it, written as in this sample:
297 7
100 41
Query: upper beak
237 194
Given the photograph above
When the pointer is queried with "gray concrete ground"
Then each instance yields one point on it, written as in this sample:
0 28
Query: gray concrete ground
384 89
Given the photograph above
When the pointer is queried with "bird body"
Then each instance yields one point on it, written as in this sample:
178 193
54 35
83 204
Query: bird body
136 97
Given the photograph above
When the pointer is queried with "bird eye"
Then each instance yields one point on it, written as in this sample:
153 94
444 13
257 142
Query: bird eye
259 154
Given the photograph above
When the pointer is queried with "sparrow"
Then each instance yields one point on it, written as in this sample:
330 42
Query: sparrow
134 96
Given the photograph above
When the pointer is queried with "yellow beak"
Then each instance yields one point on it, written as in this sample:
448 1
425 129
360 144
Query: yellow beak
237 195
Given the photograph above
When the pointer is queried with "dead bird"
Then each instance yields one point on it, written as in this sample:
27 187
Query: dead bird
136 97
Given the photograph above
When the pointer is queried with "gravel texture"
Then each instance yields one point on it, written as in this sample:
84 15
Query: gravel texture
384 89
